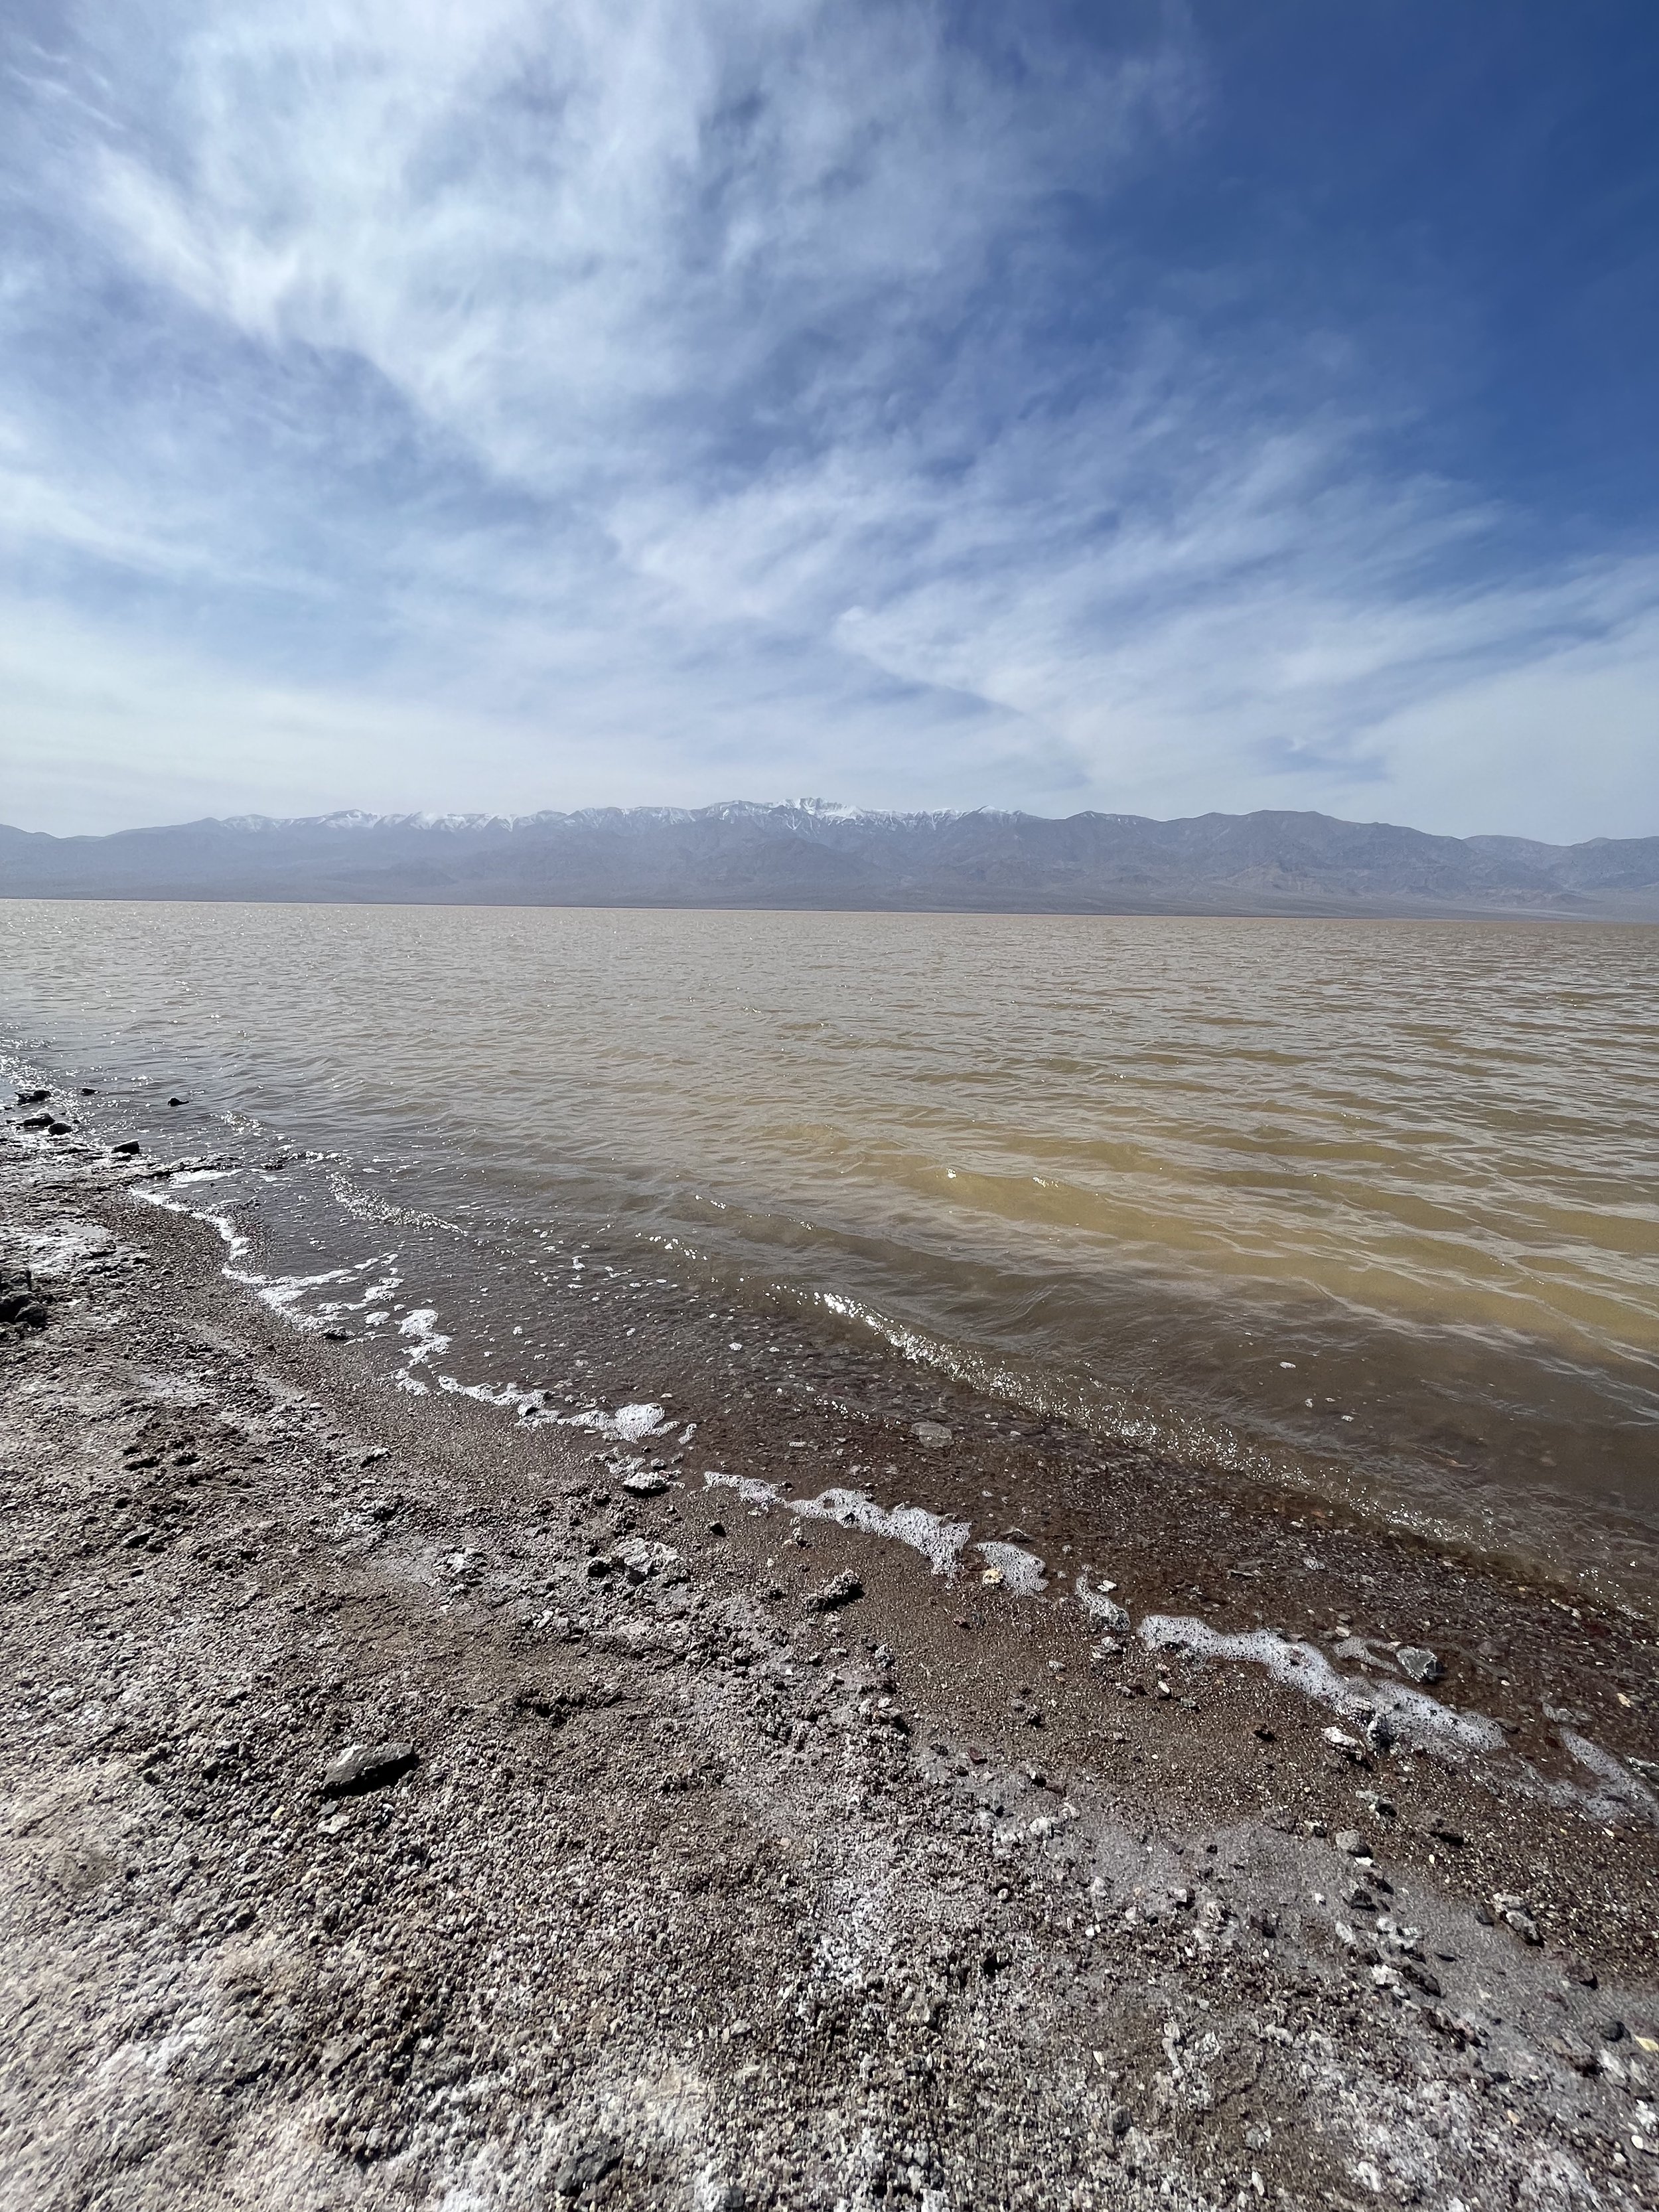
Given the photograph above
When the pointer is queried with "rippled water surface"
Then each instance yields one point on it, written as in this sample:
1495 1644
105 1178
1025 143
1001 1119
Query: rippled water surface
1370 1205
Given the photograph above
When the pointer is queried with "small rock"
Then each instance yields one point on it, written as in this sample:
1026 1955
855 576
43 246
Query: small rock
1350 1841
1512 1911
1350 1747
933 1434
1444 1832
646 1485
1420 1662
1611 2030
362 1766
640 1557
126 1152
840 1590
587 2168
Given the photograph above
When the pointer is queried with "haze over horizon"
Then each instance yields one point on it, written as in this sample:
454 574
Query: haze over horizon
1161 410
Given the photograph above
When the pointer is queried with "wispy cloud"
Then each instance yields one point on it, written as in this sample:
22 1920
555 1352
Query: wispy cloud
511 405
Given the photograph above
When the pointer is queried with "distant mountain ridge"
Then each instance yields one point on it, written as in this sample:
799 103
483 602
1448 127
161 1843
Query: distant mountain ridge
810 855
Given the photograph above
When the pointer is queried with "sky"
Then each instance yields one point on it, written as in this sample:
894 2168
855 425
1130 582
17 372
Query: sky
1156 408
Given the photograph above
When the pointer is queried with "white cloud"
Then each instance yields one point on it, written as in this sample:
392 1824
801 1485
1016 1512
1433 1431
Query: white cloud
601 402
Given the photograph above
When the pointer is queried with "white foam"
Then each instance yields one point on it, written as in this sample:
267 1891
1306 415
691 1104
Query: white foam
1022 1572
939 1541
629 1424
1621 1795
1415 1716
1103 1608
420 1325
281 1292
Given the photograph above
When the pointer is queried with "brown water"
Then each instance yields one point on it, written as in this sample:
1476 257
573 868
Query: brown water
1370 1206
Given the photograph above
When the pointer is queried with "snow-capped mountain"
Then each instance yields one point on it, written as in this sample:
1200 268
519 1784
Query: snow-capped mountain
809 854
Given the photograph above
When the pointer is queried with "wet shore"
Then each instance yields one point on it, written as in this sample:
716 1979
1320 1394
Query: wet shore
418 1800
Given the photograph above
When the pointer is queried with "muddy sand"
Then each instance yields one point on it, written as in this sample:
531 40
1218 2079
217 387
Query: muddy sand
407 1803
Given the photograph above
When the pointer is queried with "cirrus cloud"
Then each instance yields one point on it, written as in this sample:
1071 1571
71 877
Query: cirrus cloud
533 406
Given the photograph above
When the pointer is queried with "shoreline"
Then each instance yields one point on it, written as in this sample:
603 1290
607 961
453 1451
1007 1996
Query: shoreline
835 1903
1275 1279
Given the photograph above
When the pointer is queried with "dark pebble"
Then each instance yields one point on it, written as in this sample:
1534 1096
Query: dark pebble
587 2168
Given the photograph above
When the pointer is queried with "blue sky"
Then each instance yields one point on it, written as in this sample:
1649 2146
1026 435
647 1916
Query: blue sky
1148 407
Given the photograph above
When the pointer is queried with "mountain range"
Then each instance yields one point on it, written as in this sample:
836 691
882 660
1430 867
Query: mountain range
810 855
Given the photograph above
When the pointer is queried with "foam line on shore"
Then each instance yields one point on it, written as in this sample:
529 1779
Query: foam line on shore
282 1294
941 1542
1413 1714
1021 1573
1621 1796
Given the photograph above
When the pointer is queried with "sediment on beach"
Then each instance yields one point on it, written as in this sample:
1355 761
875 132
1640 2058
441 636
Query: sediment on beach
409 1802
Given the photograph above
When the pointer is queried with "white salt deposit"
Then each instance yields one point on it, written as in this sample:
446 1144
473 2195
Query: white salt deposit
60 1251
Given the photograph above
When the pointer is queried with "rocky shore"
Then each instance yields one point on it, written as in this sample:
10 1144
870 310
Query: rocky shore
407 1804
